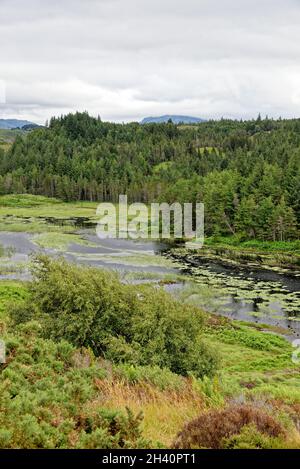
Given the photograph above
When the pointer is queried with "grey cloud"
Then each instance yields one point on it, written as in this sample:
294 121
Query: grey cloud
125 59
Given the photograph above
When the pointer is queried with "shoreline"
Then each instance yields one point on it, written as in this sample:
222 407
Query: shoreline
240 258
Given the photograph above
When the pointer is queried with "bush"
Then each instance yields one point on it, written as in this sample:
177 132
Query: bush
251 438
125 324
214 428
112 430
46 391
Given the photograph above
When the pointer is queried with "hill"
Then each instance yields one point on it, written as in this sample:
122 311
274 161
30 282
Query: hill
174 118
15 124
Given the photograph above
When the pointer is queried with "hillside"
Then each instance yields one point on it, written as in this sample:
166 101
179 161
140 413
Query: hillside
246 173
7 137
14 123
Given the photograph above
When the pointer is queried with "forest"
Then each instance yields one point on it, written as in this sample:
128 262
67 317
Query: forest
247 173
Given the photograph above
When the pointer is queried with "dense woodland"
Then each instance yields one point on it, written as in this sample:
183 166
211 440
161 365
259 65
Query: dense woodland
247 173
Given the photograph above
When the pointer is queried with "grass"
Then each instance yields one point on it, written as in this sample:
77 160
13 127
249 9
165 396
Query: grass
267 254
164 411
10 290
235 243
19 209
255 363
7 137
33 226
30 213
26 212
161 277
164 166
142 260
59 241
26 205
26 200
166 400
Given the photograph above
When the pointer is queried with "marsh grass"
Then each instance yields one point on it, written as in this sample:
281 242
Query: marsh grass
164 411
254 363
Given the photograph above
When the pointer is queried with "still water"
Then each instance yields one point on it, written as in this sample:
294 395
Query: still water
249 294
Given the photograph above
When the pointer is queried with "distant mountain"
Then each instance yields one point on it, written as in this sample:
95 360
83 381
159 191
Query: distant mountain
174 118
32 127
15 124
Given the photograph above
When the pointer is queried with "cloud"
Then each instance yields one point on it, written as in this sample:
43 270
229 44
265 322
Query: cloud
127 59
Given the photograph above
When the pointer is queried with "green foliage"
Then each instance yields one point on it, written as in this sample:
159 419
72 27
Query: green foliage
237 241
10 291
254 364
250 338
162 378
251 438
55 395
112 430
26 200
246 173
122 323
43 392
211 389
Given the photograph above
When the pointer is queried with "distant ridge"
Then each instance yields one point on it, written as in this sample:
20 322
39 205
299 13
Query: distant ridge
174 118
9 124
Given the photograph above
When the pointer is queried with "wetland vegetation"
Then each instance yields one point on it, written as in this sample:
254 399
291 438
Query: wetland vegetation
139 344
74 366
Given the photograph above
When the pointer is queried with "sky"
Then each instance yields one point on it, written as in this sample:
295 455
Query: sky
127 59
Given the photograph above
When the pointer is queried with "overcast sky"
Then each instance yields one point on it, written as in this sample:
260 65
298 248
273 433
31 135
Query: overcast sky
126 59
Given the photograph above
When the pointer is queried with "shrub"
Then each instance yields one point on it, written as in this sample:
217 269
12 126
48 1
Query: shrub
125 324
110 429
251 438
46 391
211 429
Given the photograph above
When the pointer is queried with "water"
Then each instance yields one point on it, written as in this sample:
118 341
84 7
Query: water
251 294
255 295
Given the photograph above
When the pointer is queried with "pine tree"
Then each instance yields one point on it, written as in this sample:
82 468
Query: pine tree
283 223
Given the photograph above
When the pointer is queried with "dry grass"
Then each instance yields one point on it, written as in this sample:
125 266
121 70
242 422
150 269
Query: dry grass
164 411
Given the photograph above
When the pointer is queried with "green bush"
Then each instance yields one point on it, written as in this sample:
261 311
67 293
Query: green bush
112 430
122 323
251 438
44 395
